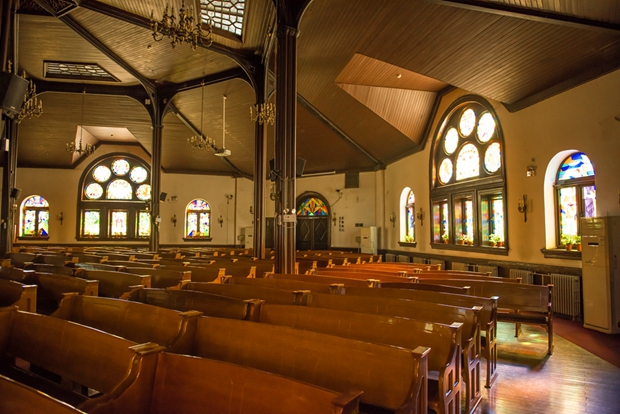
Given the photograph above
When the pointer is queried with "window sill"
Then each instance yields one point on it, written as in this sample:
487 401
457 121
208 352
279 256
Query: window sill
503 251
407 244
197 239
33 238
561 254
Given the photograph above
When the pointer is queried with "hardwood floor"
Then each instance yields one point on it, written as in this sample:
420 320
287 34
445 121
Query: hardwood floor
572 380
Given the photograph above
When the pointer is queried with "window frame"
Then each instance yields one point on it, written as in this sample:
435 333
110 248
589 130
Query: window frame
37 210
198 212
577 183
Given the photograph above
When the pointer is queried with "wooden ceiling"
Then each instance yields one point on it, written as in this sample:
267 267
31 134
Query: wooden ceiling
370 74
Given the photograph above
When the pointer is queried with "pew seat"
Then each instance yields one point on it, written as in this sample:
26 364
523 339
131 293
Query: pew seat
18 398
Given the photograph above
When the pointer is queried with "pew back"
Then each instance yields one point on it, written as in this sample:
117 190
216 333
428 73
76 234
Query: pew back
18 398
18 294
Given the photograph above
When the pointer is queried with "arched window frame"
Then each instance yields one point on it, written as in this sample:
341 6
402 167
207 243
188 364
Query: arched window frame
37 207
468 213
106 218
200 210
407 218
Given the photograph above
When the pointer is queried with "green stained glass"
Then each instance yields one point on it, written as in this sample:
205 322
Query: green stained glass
144 192
144 224
93 191
120 166
312 207
43 224
445 170
102 173
29 224
568 210
467 122
468 162
493 157
498 218
451 141
91 224
138 174
119 190
486 127
118 223
575 166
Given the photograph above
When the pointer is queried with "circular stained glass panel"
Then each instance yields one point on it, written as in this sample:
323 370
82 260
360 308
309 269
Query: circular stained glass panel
120 166
486 127
467 122
138 174
493 157
93 191
119 190
144 192
451 141
468 162
445 170
102 173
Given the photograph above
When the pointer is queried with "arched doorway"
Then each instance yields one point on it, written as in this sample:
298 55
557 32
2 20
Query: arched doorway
312 222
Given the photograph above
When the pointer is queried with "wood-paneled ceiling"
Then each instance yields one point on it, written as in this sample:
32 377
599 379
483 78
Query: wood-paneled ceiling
370 74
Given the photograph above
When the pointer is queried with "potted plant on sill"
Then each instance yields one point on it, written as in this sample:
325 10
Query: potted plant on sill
467 240
577 242
445 237
567 241
494 239
408 239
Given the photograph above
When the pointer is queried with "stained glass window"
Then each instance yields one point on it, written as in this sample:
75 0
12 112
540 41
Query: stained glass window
144 224
468 180
119 190
138 174
34 217
410 218
144 192
118 223
120 166
312 207
224 14
576 195
102 173
93 191
91 223
198 219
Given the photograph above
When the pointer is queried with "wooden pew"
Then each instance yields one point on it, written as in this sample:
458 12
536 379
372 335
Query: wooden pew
54 259
98 266
52 288
188 384
18 398
14 273
390 377
443 340
134 321
59 270
20 259
76 353
281 297
18 294
457 274
284 284
131 263
208 304
163 278
117 284
205 273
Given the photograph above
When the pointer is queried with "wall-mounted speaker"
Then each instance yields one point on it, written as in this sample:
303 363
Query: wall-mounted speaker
300 164
15 192
162 196
12 91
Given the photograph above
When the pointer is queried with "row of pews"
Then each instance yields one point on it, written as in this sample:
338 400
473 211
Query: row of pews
355 334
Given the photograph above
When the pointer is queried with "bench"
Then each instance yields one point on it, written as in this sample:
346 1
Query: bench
18 294
284 284
51 289
117 284
443 340
208 304
392 378
106 364
205 273
59 270
163 278
18 398
134 321
281 297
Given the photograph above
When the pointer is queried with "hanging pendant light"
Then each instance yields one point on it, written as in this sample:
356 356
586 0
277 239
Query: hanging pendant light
223 152
201 142
79 148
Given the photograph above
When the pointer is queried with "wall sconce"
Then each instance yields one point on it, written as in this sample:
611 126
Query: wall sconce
251 209
334 219
523 207
420 216
61 218
393 219
220 220
531 169
174 220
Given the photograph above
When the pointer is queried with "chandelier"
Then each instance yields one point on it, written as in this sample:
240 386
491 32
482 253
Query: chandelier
223 152
81 149
263 113
201 142
183 31
32 107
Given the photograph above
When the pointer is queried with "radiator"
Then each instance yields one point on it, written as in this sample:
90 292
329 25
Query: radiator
403 258
566 295
421 260
525 275
441 263
390 257
460 266
488 269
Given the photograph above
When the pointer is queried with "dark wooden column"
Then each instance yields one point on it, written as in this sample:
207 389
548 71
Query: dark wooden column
260 157
157 119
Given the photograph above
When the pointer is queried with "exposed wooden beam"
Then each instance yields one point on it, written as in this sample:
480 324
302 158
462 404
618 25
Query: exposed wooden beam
235 73
378 164
137 92
538 15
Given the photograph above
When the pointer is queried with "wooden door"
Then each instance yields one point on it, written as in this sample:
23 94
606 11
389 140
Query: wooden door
312 233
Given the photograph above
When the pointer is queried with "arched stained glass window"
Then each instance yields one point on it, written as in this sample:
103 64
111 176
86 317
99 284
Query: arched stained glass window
576 197
34 217
198 219
468 183
312 207
409 213
114 193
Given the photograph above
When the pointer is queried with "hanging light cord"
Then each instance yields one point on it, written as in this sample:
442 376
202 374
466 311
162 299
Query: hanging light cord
202 105
82 122
223 121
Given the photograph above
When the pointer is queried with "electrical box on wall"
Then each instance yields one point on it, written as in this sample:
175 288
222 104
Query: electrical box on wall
369 240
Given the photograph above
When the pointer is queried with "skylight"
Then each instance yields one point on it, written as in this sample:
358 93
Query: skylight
66 70
224 15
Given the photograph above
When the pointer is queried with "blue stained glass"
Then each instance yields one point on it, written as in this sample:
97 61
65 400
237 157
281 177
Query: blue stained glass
36 201
312 207
198 204
575 166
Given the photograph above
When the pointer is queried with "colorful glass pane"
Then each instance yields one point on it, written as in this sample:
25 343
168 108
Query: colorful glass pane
312 207
198 204
29 224
469 220
144 192
43 224
467 122
138 174
93 191
118 223
451 141
444 219
191 228
589 200
91 224
119 190
36 201
468 162
411 222
498 217
120 166
204 224
144 224
486 127
575 166
440 221
568 210
102 173
410 198
493 157
445 170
